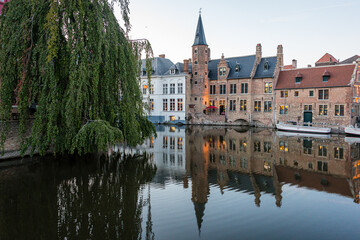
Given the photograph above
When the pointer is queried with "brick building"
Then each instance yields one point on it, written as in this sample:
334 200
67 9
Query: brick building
327 94
237 89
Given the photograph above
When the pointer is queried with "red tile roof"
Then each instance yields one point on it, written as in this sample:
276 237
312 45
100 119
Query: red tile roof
288 67
327 58
340 75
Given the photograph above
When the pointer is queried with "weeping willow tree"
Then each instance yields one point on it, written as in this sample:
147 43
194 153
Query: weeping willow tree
73 61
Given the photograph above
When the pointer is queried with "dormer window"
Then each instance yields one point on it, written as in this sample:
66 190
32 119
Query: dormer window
172 71
237 68
222 71
298 77
326 76
266 66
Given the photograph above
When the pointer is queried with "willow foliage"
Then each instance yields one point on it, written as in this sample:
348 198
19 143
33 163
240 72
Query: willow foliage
73 61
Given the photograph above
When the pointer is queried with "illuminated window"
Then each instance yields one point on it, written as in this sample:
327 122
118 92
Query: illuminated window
172 142
152 104
172 118
283 146
242 146
268 87
284 109
322 151
243 105
296 93
323 110
308 107
165 142
180 143
338 153
267 166
145 89
180 104
151 89
257 106
284 94
172 104
152 141
339 110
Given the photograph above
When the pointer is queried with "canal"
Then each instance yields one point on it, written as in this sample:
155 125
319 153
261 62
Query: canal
190 183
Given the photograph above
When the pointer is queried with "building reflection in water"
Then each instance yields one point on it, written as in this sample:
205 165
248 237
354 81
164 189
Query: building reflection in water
256 162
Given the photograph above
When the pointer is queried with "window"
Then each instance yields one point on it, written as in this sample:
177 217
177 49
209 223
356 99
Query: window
172 142
326 78
283 146
338 153
232 88
195 75
180 143
322 166
267 166
267 147
244 88
212 157
172 88
212 89
308 108
284 94
172 104
222 71
232 105
242 146
323 110
307 146
257 146
243 105
152 142
165 89
165 142
172 71
180 88
298 79
151 89
196 62
324 94
339 110
232 161
311 93
145 89
267 106
296 93
223 89
165 104
284 109
257 106
195 50
266 66
152 104
222 159
237 68
268 87
232 144
180 160
322 151
243 163
180 104
165 158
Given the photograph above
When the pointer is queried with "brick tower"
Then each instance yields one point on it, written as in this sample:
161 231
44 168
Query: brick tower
200 60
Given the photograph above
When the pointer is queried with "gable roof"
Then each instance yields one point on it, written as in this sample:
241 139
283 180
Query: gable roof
160 65
262 72
200 34
327 58
340 76
350 59
246 64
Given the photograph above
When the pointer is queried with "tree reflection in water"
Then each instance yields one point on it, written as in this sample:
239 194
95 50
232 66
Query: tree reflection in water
88 198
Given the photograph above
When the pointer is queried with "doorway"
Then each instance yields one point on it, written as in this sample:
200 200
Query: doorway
307 117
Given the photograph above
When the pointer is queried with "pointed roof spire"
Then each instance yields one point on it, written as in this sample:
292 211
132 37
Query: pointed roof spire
200 34
199 212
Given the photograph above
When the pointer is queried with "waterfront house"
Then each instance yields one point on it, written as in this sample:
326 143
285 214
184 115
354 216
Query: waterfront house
322 95
166 94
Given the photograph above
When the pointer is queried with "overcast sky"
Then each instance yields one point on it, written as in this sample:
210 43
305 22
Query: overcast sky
307 29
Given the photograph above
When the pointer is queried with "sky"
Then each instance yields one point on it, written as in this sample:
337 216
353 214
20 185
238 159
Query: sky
307 29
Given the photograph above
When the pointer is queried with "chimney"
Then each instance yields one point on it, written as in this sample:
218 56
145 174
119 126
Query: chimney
186 66
162 56
258 51
280 56
309 65
294 63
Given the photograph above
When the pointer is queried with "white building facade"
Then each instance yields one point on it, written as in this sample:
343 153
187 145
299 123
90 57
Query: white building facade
166 95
